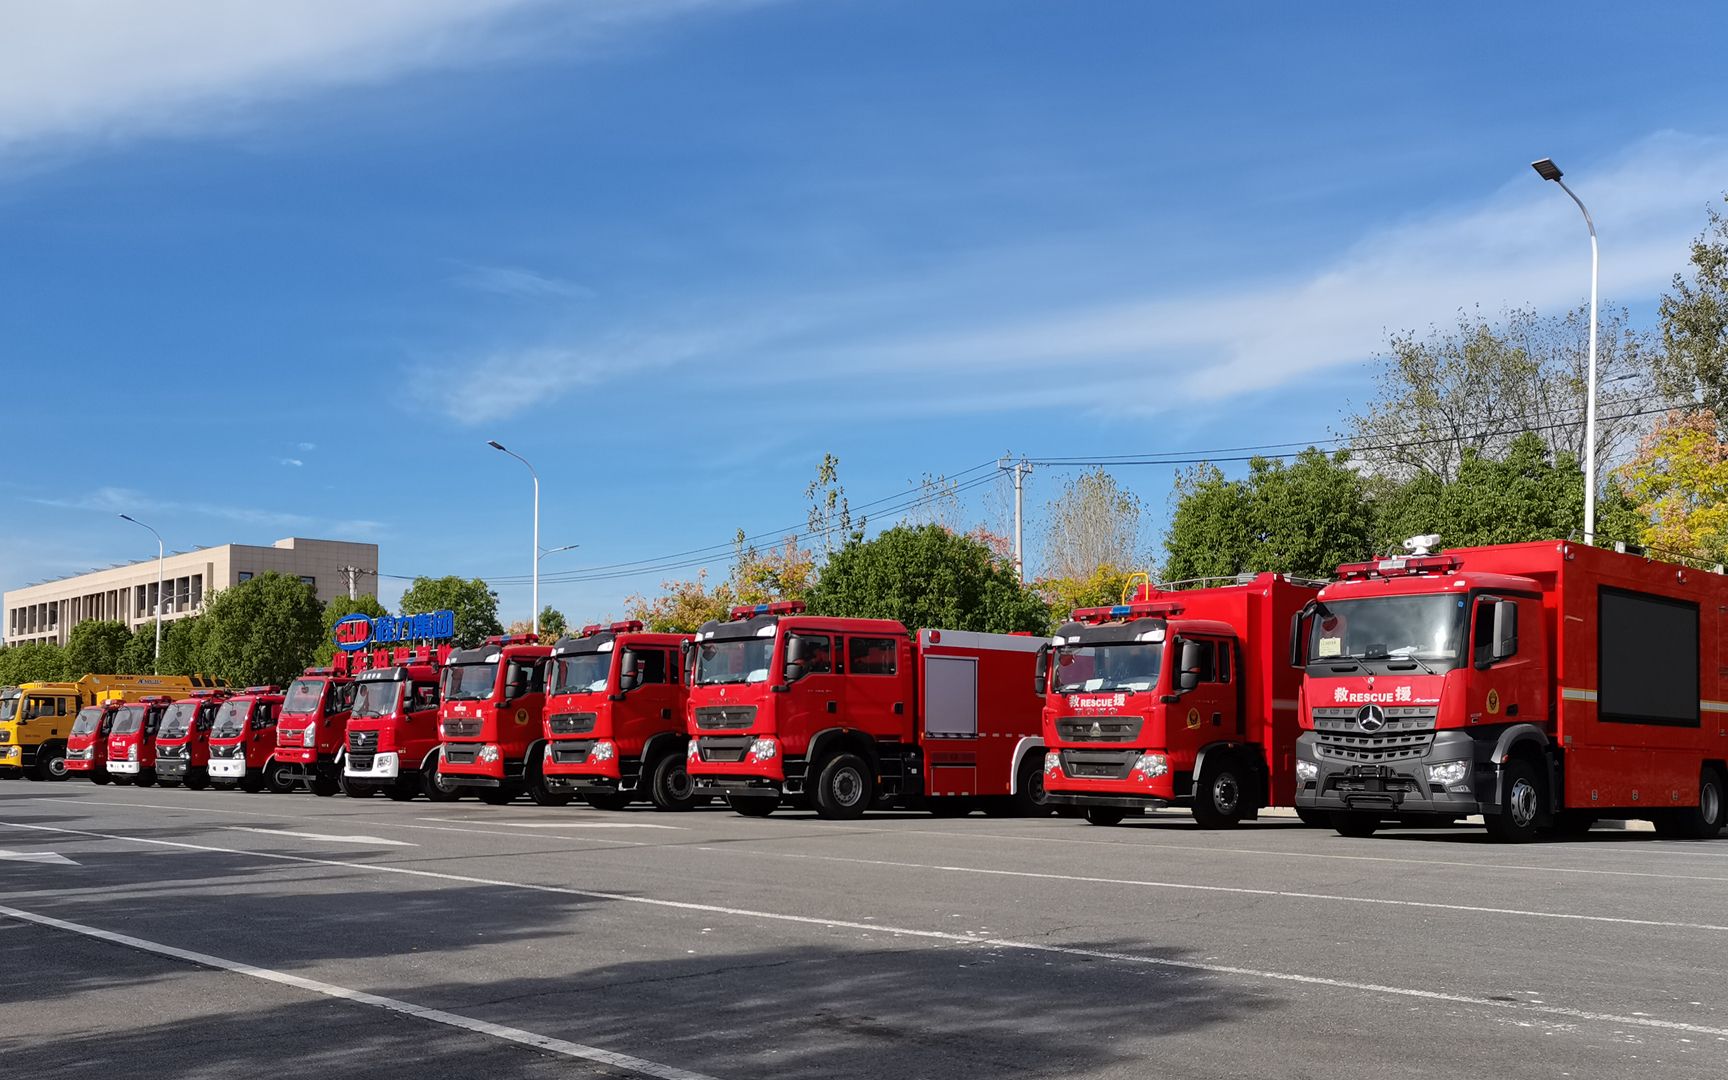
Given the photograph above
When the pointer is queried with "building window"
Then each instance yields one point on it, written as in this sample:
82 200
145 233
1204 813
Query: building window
312 581
197 589
244 575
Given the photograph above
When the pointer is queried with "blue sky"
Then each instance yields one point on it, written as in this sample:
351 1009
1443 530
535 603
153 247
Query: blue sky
285 274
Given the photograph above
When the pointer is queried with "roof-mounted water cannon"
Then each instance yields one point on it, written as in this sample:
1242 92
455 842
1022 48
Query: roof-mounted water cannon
1420 560
782 607
1422 545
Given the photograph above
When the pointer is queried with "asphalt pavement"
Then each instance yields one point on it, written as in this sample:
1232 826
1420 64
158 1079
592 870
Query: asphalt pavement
170 933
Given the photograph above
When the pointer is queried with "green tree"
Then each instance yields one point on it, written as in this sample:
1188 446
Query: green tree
34 662
183 646
553 625
1678 485
830 515
1303 517
138 657
95 645
1093 523
1694 364
473 601
265 630
334 612
927 576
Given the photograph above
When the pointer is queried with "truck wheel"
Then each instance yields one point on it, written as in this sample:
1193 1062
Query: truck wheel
145 777
1316 819
753 805
1221 795
1105 815
1704 821
50 763
278 779
196 780
1520 804
357 789
844 789
324 785
1030 798
542 795
436 788
610 801
1357 825
670 785
100 778
252 781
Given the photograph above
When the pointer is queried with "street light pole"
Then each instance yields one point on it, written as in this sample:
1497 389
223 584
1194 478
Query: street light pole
1547 170
160 555
496 445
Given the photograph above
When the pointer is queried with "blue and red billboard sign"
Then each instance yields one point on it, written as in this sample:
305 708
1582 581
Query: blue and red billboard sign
355 632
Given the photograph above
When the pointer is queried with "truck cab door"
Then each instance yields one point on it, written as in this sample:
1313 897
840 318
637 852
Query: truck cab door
878 695
653 704
1209 712
815 691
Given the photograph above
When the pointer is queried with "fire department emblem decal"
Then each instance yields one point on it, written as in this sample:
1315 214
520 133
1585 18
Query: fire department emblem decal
1193 719
1494 702
1370 718
521 716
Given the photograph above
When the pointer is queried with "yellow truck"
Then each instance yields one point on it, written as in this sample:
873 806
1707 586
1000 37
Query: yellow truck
36 717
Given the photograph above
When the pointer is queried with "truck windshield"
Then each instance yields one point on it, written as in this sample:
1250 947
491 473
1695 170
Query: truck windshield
581 674
376 698
127 720
469 682
303 697
177 719
742 661
231 719
1426 629
88 720
9 705
1131 665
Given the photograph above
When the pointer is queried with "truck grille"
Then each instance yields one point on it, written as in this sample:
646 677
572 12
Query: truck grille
362 748
725 717
172 753
572 723
571 753
1095 729
5 736
1098 764
456 729
1407 733
723 747
461 755
79 755
228 751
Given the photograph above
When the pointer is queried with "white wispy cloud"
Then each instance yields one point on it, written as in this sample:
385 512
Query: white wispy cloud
293 461
515 281
306 446
119 500
106 69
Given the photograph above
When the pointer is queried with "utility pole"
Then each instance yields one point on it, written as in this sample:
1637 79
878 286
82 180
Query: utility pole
353 573
1020 469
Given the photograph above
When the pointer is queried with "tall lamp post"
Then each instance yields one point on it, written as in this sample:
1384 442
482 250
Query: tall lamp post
496 445
1547 170
157 664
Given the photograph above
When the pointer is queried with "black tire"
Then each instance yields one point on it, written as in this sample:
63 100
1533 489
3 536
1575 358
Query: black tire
324 785
1704 821
252 781
50 763
99 777
277 778
1105 815
1358 825
1317 819
544 795
753 805
1521 799
950 806
611 801
167 783
196 780
357 789
145 778
1029 798
435 787
1222 796
844 789
497 796
670 786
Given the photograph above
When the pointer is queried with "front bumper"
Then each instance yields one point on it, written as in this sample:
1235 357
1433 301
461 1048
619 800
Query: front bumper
11 757
82 764
297 755
385 765
125 768
226 768
1402 786
170 768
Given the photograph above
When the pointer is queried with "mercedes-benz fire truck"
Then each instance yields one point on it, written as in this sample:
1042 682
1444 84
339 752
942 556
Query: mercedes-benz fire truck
313 728
132 740
489 720
1178 697
854 713
615 725
183 740
243 743
1544 685
393 731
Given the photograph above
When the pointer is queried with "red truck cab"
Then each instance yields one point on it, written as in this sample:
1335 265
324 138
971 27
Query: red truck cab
132 740
87 742
393 735
243 743
1543 685
615 724
847 714
1177 697
183 740
491 700
313 729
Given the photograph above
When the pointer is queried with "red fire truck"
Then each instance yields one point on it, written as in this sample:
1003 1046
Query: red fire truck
1181 696
393 731
87 742
132 740
183 740
489 720
243 742
615 723
855 713
1544 685
313 728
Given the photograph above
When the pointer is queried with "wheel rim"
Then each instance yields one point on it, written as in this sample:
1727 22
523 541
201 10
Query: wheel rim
1710 802
1035 788
1521 804
57 767
679 785
442 784
848 787
1225 793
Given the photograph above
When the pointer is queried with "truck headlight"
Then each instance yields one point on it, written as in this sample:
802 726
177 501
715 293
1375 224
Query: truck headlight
309 737
1152 766
763 750
692 751
1307 772
1448 772
132 752
604 750
488 753
1052 764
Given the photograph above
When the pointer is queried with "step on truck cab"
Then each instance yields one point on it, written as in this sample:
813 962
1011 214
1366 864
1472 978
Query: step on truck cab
393 732
615 725
1543 685
846 714
87 741
1176 697
243 743
132 740
313 728
183 739
489 715
36 718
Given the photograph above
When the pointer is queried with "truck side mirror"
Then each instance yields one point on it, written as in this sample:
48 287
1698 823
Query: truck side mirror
796 648
794 671
1296 640
628 680
1188 670
1505 629
1041 669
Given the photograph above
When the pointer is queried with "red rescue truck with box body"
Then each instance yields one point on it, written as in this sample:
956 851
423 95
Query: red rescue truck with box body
491 700
243 743
854 713
313 729
1543 685
132 740
1176 697
393 730
615 726
183 740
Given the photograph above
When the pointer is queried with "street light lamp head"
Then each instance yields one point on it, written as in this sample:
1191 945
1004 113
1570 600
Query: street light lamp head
128 517
1546 169
496 445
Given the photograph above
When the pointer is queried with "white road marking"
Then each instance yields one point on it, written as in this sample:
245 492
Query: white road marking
358 997
928 935
372 840
50 857
553 824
